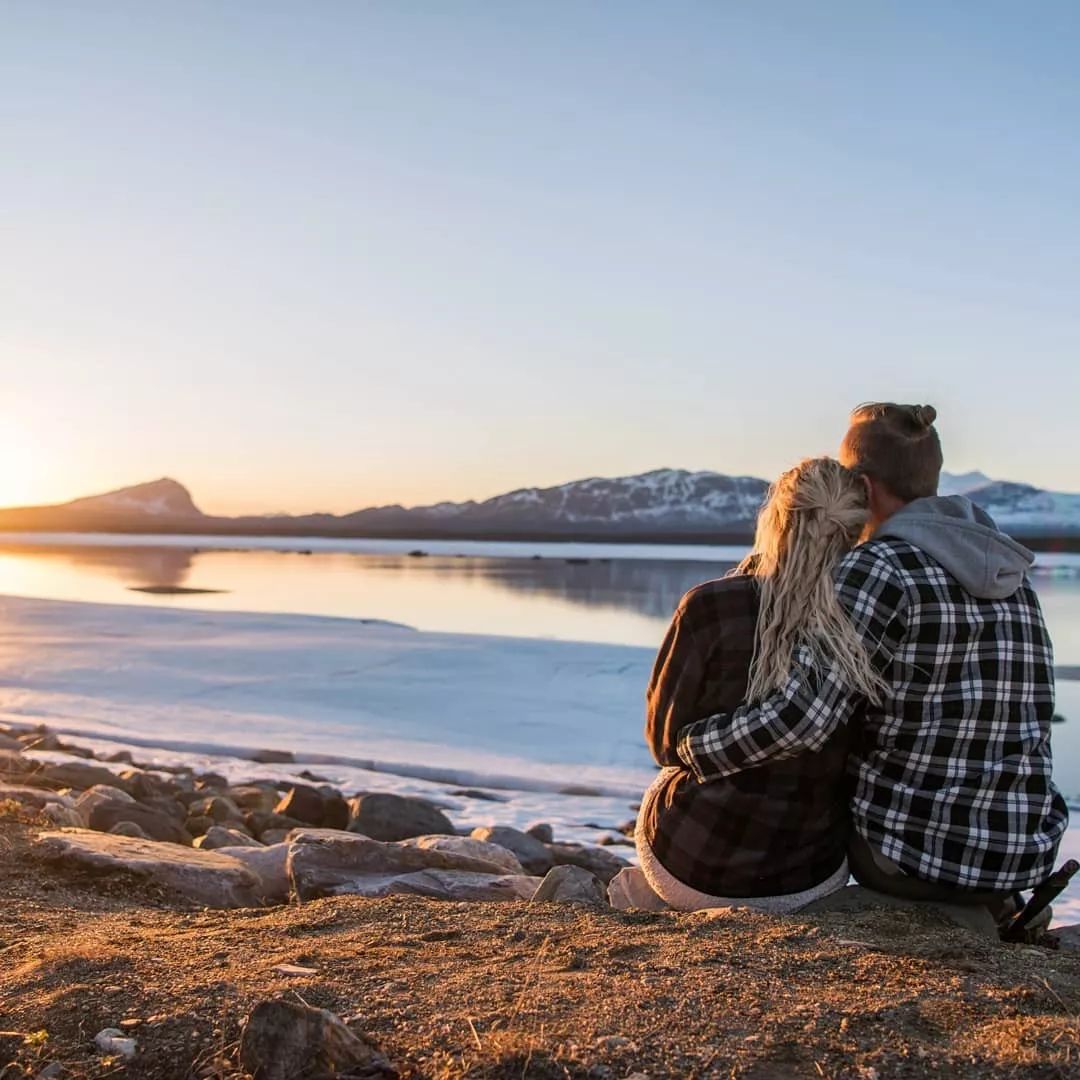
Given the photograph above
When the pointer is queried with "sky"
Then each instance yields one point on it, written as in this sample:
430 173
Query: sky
324 255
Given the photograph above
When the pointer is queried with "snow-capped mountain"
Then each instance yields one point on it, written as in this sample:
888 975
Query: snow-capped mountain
666 504
664 499
962 483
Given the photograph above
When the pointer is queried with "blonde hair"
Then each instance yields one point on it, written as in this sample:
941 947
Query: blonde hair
812 516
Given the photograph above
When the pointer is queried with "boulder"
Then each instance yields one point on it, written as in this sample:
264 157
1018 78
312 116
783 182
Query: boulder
40 739
1068 937
259 823
35 798
216 807
530 852
207 878
129 828
324 862
269 864
283 1040
451 885
211 781
8 743
254 797
13 763
273 757
120 757
156 825
79 775
495 854
217 836
572 885
145 785
602 863
98 795
382 816
305 804
336 812
272 837
542 831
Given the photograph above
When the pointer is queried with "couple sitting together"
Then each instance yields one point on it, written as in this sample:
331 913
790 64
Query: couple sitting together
880 708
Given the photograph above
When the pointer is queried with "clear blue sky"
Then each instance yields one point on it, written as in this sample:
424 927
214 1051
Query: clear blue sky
320 255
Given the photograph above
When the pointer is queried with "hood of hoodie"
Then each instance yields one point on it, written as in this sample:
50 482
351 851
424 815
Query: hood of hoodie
962 538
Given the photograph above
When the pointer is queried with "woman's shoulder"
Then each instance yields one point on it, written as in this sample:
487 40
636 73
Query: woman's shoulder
726 597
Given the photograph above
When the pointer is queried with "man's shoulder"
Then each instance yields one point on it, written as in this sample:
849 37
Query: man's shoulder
882 565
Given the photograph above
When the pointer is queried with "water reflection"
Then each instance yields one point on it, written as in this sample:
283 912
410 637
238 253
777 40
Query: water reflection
626 601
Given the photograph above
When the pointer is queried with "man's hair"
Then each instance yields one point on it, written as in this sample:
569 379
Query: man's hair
897 445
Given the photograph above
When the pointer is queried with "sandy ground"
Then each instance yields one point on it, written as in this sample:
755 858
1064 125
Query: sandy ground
520 990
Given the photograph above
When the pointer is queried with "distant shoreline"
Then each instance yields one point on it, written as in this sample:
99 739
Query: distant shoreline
1064 543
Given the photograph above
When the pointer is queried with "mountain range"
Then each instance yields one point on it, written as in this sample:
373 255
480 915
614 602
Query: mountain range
663 505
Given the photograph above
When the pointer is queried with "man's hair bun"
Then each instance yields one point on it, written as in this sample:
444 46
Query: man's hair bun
924 415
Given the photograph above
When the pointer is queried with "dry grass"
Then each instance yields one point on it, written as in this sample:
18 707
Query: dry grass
511 990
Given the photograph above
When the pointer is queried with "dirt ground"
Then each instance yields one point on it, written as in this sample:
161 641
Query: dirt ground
519 990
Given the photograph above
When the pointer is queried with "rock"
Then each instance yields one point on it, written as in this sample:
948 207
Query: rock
258 822
130 828
305 804
217 836
35 798
972 917
198 825
254 797
97 796
324 862
382 816
273 757
274 836
211 781
12 763
542 831
75 751
269 865
8 743
1068 937
77 774
120 757
283 1040
156 825
42 739
572 885
495 854
476 793
64 817
208 878
602 863
145 785
113 1041
336 812
531 853
216 807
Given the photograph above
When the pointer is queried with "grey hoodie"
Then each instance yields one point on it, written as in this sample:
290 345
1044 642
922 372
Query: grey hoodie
962 538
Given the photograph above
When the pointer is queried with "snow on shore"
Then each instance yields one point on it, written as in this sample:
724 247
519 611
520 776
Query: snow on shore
550 730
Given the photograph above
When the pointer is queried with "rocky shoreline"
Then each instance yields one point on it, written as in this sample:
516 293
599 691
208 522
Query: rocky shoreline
144 904
267 840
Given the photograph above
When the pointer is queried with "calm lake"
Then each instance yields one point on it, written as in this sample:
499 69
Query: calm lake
616 593
621 594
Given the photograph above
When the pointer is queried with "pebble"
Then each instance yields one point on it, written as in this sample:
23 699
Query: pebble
113 1041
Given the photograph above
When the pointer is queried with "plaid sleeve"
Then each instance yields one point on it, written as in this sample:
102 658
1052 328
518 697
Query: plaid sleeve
814 701
674 690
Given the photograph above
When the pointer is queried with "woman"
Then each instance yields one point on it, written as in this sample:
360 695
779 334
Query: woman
773 837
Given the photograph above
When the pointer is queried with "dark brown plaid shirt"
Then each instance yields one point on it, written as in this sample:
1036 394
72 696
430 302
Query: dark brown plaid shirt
775 829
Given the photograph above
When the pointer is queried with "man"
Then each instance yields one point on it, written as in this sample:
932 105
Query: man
953 797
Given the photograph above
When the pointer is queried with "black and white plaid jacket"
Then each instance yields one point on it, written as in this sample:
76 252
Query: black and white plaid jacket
952 771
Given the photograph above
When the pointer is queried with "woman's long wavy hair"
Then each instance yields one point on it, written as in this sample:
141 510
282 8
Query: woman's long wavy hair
813 515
